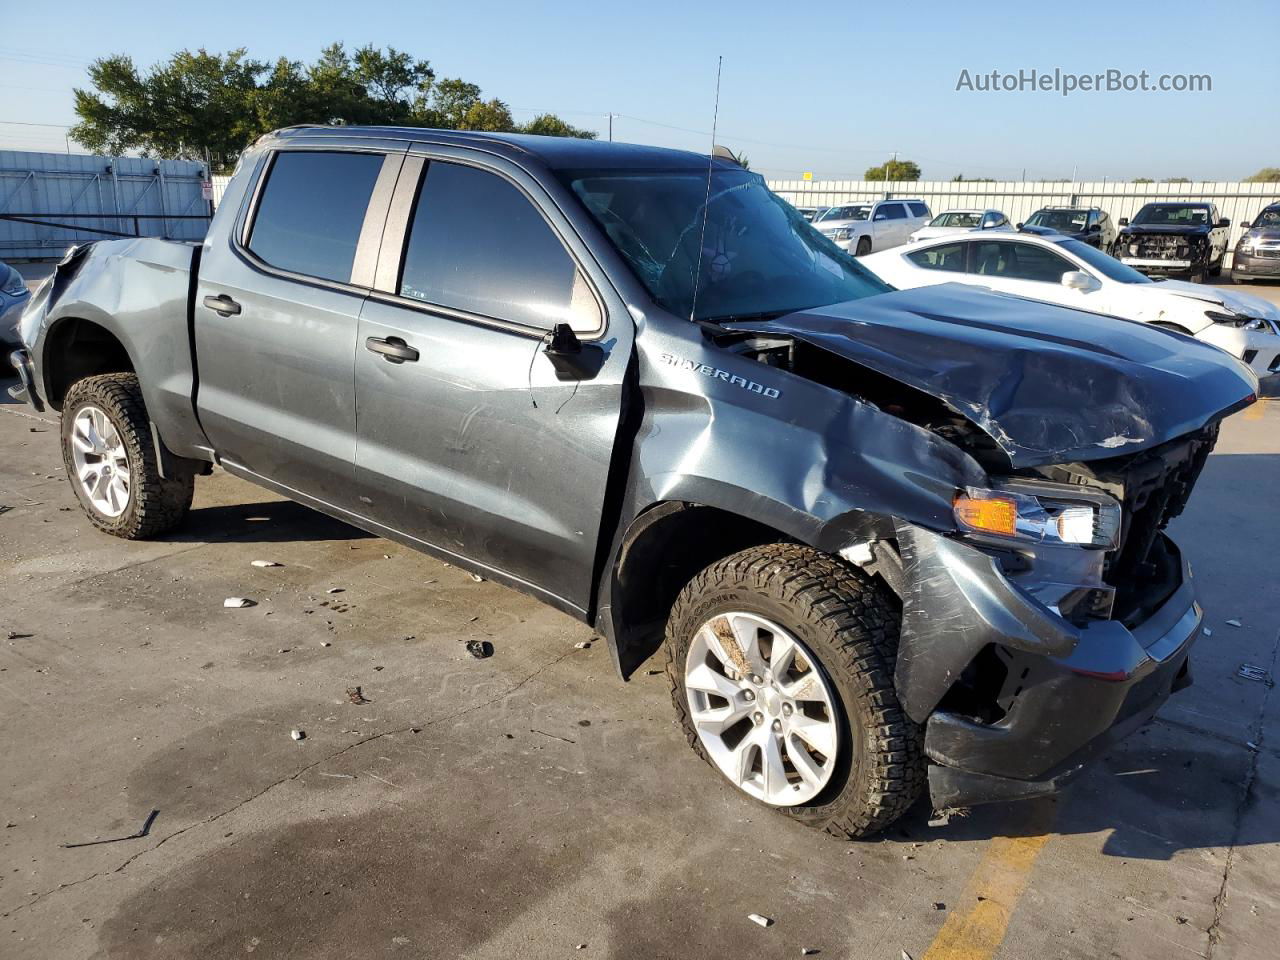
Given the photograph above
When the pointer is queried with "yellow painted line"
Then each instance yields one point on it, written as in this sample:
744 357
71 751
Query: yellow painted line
992 893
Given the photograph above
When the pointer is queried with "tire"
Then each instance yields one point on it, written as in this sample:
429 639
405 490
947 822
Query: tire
1216 271
864 247
153 505
847 627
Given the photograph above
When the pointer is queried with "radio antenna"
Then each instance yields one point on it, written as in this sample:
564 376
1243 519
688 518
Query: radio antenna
706 203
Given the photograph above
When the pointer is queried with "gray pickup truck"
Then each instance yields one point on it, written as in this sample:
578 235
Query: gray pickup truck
887 541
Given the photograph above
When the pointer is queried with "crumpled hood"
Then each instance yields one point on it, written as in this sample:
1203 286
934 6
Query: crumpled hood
1242 304
1049 384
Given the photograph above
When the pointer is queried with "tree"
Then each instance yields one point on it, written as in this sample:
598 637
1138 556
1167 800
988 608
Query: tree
1265 175
1175 180
1142 180
961 178
209 105
893 170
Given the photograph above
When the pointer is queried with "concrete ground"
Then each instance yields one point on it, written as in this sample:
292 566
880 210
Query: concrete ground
526 804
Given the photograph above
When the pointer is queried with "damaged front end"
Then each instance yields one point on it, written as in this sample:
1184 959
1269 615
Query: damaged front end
1054 615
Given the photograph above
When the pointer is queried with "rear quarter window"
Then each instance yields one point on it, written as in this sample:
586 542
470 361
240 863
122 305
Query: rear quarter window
311 211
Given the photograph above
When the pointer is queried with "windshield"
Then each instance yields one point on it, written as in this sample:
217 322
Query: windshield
757 257
957 218
1064 221
1268 219
1106 265
859 212
1176 214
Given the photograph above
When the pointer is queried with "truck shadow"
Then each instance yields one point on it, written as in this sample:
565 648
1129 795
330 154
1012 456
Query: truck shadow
267 521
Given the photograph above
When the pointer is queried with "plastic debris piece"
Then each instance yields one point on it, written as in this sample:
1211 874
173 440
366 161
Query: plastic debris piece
477 578
1207 632
582 645
1251 671
762 921
334 590
480 649
356 695
581 946
1234 623
266 563
235 603
298 734
905 955
808 951
939 905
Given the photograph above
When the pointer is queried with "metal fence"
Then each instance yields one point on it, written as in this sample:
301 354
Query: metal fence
1238 202
49 201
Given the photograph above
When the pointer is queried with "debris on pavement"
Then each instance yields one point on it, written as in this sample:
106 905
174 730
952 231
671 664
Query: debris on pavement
480 649
581 946
808 951
1251 671
939 905
266 563
905 955
582 645
1207 632
763 921
1234 623
338 776
298 734
334 590
477 578
234 603
146 828
356 695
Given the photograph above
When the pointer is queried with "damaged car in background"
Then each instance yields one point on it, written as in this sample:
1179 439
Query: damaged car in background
887 542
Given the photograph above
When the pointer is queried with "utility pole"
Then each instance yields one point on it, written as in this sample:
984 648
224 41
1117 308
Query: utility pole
611 116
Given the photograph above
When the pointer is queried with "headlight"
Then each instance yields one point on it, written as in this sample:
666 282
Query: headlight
844 233
13 284
1234 320
1036 512
1245 245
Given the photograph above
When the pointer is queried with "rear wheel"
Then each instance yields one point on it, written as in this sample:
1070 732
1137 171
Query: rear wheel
111 462
780 663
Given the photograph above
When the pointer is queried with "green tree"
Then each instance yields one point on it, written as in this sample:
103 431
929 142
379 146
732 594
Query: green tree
1175 180
209 105
893 170
961 178
1142 180
1265 175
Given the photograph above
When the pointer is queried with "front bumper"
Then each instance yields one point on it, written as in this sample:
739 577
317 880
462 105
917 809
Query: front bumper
1258 349
1161 267
24 391
1251 265
1079 689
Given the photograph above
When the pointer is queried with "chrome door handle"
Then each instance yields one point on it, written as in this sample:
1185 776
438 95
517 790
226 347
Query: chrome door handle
392 349
222 305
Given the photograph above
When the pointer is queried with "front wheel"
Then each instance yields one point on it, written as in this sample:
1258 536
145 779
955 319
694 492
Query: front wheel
780 662
111 462
864 247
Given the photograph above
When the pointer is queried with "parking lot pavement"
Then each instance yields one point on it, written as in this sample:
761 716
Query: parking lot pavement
523 805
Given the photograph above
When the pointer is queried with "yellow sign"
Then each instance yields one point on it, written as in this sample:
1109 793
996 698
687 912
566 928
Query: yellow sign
807 175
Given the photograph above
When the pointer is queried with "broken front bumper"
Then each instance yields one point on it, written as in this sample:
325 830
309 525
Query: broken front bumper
1076 690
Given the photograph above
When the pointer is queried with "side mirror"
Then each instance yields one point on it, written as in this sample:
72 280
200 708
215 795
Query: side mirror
1017 226
1123 221
1245 226
1095 228
1077 280
1224 223
571 358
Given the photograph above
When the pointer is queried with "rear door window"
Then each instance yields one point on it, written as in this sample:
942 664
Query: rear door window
891 211
1019 261
311 211
479 245
946 256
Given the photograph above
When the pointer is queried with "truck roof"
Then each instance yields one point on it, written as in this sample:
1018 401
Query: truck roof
557 153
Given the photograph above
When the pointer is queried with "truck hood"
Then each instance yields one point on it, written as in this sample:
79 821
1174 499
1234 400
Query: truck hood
1048 384
1166 229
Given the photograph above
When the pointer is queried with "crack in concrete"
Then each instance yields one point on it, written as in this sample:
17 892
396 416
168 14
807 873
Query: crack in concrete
1246 793
422 725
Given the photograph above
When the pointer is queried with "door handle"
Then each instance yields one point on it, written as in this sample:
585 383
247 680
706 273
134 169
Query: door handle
392 349
222 305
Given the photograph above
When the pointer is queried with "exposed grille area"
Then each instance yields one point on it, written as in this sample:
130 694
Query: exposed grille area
1267 253
1160 247
1153 487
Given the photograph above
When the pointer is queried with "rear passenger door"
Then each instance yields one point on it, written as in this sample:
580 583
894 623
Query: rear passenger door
466 440
277 304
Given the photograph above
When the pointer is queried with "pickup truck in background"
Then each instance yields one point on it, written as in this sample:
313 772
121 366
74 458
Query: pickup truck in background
1174 239
887 541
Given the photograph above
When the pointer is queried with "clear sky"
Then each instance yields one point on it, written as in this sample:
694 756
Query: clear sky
816 86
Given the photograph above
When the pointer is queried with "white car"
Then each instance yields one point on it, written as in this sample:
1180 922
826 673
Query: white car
1061 270
862 228
961 221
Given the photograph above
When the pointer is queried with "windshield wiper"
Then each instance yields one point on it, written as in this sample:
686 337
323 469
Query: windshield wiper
762 315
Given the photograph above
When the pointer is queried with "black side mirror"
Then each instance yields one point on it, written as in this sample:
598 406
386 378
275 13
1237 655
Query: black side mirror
1123 221
1095 228
572 359
1224 223
1017 226
1245 226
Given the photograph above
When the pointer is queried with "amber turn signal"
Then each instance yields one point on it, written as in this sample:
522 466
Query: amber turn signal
988 514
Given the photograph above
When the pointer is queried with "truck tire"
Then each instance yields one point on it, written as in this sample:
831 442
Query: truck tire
111 461
780 663
864 247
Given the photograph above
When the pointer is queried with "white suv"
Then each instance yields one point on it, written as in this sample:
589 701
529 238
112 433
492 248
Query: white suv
861 228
